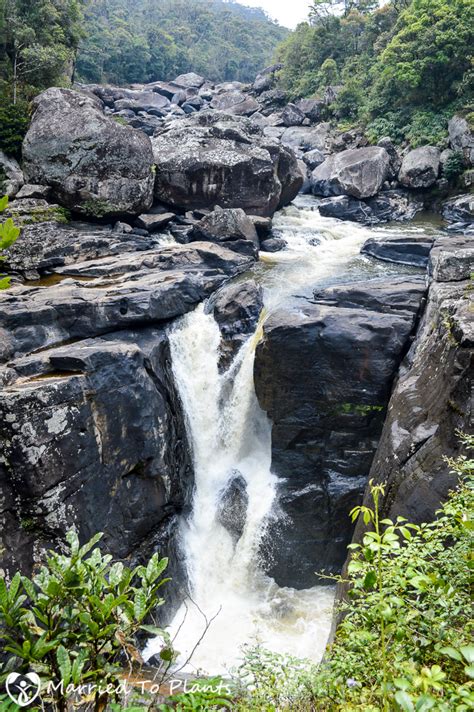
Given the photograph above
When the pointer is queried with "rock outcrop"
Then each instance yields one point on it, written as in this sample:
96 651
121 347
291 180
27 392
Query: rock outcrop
216 159
324 373
91 429
93 165
432 398
236 308
413 250
461 138
92 437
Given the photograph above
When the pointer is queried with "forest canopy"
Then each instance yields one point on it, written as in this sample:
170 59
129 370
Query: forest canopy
148 40
402 69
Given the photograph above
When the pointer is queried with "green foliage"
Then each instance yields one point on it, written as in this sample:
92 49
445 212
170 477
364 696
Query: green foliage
405 641
78 618
147 40
38 42
14 122
429 54
428 127
454 166
405 67
96 208
202 695
9 233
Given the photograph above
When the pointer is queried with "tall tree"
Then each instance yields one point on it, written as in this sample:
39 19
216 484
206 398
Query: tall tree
39 39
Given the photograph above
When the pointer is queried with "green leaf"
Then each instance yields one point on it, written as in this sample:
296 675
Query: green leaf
3 203
73 541
167 654
452 653
404 701
90 545
370 580
153 630
469 670
468 653
78 666
64 664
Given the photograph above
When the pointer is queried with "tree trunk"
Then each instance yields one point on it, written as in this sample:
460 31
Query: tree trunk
15 76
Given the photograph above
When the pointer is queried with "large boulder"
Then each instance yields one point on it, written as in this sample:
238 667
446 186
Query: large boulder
384 207
413 250
292 115
420 167
461 137
311 108
190 80
214 159
231 227
323 373
93 165
235 102
147 101
360 172
307 138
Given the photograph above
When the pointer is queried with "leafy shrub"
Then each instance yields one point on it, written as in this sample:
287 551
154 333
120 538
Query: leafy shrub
384 126
14 122
78 619
427 127
454 166
405 640
9 233
209 694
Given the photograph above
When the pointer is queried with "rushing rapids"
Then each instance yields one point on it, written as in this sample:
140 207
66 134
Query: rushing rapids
231 436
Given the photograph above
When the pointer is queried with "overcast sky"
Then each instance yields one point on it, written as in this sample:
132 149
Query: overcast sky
287 12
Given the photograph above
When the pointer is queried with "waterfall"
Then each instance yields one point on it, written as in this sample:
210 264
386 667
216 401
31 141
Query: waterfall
230 438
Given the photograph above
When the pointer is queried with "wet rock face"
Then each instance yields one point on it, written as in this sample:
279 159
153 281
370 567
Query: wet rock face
404 249
326 423
93 165
92 433
233 504
387 205
92 436
46 246
236 308
216 159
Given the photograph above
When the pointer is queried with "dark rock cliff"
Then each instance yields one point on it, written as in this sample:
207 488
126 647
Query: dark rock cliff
323 373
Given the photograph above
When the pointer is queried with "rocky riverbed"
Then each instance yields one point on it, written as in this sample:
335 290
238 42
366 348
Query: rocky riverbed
138 204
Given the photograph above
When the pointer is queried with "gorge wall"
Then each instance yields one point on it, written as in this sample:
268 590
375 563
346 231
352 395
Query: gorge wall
92 430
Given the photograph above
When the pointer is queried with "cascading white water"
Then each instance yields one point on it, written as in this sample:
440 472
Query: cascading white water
230 434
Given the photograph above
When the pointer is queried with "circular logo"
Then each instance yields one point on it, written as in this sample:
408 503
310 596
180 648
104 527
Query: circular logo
23 689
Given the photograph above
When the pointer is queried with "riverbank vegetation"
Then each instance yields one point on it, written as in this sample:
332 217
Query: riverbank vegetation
401 70
405 640
404 643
